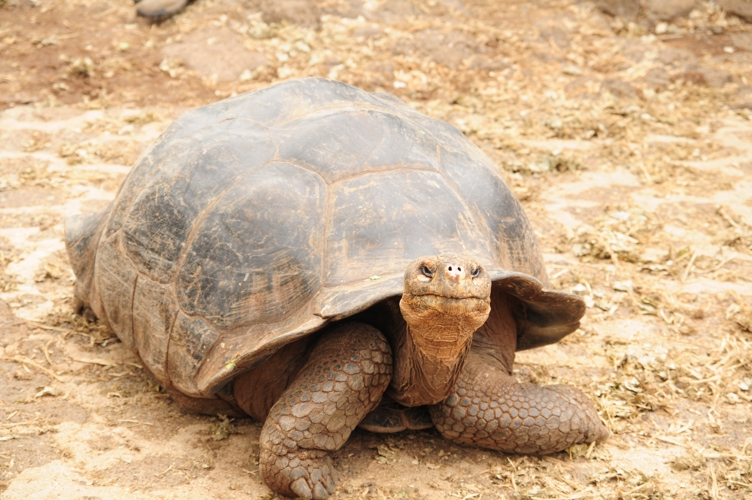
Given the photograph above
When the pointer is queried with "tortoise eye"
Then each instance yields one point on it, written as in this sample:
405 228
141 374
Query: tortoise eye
426 271
476 272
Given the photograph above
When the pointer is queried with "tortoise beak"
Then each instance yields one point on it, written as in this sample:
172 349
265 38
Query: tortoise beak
453 277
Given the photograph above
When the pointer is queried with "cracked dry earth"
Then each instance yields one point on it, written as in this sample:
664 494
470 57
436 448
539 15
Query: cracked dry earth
628 141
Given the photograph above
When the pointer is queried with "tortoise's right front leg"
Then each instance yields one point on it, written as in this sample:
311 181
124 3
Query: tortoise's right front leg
490 409
346 374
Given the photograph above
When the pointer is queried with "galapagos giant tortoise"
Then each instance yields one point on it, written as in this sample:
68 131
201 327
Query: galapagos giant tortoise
319 257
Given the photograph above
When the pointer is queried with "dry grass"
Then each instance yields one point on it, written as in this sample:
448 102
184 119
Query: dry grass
639 189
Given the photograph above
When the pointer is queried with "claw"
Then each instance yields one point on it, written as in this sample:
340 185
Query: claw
300 488
330 483
319 493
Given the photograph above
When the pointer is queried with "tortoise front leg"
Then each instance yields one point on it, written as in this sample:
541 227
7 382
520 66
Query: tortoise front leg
490 409
344 378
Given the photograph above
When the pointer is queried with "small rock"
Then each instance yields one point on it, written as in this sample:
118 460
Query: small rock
13 99
661 28
623 286
396 10
22 375
449 49
455 4
583 86
618 88
701 74
675 57
380 74
666 10
482 62
657 79
301 12
687 330
743 97
628 9
371 489
579 289
48 391
345 8
634 51
366 32
547 56
632 385
550 29
741 8
742 41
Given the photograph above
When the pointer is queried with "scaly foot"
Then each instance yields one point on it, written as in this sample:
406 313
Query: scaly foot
344 378
489 408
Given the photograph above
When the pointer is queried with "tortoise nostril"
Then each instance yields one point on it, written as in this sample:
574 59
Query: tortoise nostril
454 271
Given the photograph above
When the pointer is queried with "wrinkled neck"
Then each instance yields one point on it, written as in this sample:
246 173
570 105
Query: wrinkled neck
430 353
496 340
422 379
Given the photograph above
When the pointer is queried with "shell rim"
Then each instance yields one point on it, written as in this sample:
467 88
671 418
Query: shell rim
552 314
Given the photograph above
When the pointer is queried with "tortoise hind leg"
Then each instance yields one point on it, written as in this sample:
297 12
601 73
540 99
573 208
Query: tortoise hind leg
345 376
82 233
490 409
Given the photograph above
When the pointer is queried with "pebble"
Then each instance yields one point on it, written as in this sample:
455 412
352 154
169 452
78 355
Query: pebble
741 8
667 10
623 286
705 75
628 9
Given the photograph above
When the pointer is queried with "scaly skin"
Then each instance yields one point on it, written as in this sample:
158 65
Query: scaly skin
490 409
348 371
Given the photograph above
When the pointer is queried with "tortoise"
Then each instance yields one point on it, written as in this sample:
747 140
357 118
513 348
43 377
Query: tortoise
319 257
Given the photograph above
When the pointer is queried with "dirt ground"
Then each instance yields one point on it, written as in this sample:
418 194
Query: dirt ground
628 141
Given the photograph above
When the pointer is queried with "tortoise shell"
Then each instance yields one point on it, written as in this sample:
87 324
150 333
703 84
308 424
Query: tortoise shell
259 219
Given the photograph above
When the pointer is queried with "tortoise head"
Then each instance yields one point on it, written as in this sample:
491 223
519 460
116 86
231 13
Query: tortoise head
446 298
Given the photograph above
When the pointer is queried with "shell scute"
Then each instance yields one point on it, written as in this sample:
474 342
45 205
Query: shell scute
172 202
376 140
153 316
257 256
190 341
114 283
380 222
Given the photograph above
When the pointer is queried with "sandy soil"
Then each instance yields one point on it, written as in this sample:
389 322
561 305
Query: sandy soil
629 143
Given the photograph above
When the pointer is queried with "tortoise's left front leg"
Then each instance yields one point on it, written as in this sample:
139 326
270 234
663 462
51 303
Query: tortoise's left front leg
490 409
347 372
